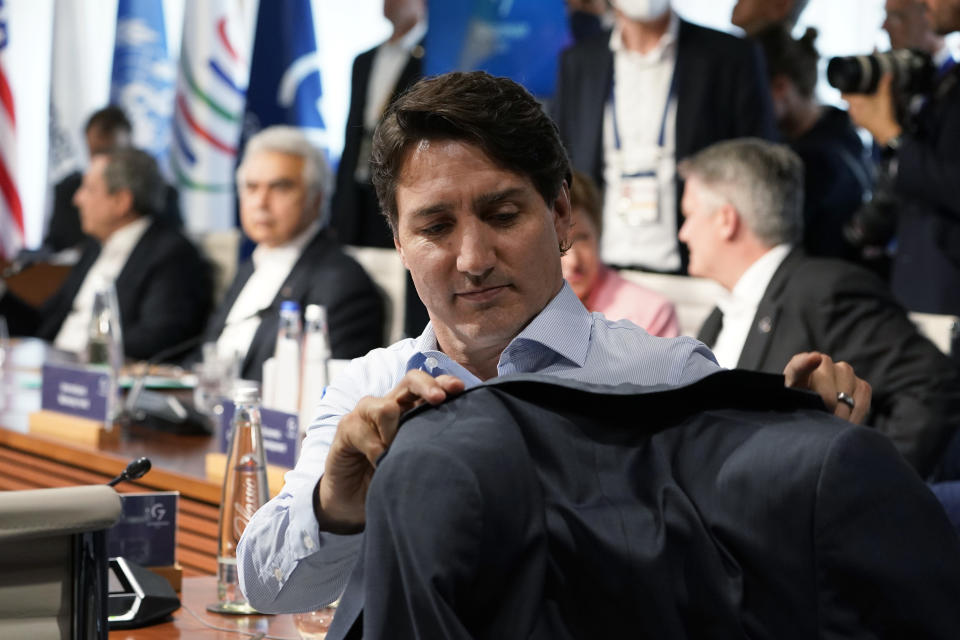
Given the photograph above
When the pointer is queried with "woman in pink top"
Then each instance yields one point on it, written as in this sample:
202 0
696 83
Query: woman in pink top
599 287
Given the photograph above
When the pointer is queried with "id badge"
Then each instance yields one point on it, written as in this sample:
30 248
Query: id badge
638 200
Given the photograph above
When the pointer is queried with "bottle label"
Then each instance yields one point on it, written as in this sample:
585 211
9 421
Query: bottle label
248 501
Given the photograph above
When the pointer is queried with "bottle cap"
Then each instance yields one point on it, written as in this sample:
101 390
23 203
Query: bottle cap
315 313
290 305
246 393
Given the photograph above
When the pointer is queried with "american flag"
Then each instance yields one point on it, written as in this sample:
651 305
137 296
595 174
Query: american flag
11 211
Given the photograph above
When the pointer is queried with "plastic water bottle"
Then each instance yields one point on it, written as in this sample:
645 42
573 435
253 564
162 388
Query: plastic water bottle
244 491
105 341
286 393
316 353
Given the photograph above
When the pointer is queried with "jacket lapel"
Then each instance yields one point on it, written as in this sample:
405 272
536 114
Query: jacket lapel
765 321
711 328
294 287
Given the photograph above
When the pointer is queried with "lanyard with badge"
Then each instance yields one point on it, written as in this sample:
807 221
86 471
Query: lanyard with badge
638 196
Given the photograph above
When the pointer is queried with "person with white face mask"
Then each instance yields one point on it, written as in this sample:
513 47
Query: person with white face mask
633 101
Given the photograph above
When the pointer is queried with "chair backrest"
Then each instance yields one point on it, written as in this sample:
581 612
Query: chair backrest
53 561
388 273
693 298
221 248
940 329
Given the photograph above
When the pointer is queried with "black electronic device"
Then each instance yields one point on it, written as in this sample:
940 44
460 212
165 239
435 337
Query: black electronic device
136 596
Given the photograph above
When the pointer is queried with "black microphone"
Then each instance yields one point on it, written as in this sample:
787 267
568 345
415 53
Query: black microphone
134 471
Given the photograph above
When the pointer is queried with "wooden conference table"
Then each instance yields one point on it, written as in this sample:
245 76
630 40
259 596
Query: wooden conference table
192 620
30 461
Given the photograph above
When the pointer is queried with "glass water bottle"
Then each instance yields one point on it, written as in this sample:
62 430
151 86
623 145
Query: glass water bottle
244 491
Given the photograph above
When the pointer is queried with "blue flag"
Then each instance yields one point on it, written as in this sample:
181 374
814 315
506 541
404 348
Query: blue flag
285 71
143 79
519 39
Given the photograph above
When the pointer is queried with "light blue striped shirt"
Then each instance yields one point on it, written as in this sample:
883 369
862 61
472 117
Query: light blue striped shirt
287 565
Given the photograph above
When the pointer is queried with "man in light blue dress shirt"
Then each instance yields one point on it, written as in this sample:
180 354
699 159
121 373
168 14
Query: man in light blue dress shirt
474 182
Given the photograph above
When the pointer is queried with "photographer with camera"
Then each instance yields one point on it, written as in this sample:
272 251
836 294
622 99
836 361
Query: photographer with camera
922 158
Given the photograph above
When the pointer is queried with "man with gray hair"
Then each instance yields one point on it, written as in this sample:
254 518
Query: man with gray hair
163 285
743 208
283 183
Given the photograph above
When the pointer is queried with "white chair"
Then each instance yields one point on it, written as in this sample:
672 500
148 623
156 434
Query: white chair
388 273
939 329
53 560
221 248
694 298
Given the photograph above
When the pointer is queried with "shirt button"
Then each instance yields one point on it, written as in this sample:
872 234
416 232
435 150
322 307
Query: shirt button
278 574
308 542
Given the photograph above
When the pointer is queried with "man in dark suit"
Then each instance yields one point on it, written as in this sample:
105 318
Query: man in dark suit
282 184
533 507
379 76
743 205
631 103
106 128
923 163
163 285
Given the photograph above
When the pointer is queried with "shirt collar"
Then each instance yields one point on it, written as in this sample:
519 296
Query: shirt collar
126 237
663 49
292 249
751 286
564 310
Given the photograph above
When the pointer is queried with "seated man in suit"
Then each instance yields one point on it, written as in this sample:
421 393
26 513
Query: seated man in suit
163 285
282 184
106 129
474 182
743 204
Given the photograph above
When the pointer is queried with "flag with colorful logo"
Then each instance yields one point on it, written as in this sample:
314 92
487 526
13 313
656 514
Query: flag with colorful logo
211 92
285 71
143 77
11 210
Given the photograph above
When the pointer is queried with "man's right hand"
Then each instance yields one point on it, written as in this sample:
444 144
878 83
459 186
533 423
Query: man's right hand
361 438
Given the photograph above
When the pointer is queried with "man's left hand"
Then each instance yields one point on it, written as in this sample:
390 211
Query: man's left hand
819 373
874 112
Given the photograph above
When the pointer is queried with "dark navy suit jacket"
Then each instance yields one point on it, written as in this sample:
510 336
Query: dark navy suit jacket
731 508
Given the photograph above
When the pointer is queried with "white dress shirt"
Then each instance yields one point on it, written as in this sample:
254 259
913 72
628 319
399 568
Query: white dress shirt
639 139
271 266
739 306
75 330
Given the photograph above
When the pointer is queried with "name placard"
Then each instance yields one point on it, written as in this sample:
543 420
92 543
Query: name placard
75 390
281 434
147 529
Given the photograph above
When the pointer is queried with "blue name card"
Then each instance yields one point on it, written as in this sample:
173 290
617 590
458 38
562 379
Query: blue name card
77 391
147 529
281 434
